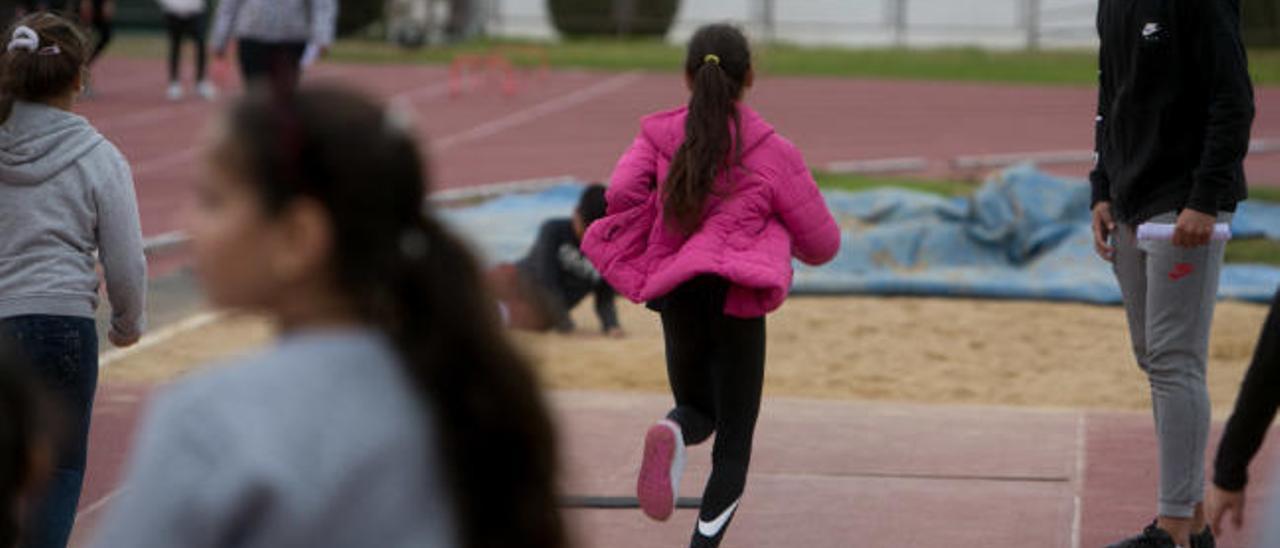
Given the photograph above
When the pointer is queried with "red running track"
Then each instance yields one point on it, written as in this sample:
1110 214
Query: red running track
838 474
577 123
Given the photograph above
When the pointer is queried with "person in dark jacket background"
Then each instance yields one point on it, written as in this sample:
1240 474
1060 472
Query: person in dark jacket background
538 292
1175 107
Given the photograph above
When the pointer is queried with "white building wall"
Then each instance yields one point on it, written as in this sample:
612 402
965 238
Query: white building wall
993 24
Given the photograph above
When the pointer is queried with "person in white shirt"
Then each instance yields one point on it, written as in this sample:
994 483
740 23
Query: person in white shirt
187 19
274 36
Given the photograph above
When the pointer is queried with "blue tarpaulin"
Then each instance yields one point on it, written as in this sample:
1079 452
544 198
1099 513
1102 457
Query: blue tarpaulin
1023 234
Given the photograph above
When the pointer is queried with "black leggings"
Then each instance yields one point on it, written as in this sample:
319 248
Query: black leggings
276 63
102 26
715 364
192 26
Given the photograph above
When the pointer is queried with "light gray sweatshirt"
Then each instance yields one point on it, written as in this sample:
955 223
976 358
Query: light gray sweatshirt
66 193
318 442
275 21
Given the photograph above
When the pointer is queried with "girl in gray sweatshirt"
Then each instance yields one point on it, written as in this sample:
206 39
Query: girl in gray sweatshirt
66 205
392 412
274 36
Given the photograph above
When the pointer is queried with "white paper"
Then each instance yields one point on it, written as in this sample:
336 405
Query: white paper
1163 232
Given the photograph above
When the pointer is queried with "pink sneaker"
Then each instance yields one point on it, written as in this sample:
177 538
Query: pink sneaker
659 483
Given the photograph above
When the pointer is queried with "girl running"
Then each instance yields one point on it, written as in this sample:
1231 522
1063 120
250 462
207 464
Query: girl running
392 412
705 211
66 194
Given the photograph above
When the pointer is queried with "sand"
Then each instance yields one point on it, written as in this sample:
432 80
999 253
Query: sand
865 348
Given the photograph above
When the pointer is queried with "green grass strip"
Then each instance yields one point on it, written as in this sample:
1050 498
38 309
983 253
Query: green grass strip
1058 67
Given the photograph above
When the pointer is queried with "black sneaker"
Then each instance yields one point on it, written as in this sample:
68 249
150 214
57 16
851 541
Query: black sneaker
1204 539
1151 537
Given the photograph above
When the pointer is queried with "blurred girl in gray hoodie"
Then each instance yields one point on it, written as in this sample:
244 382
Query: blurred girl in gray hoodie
273 36
392 412
66 195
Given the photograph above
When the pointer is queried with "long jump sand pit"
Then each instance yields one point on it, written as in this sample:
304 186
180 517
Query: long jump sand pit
867 348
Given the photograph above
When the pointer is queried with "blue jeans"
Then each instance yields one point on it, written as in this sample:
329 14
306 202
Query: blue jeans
64 352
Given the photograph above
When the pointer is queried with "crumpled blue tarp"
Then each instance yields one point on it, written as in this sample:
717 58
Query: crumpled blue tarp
1023 235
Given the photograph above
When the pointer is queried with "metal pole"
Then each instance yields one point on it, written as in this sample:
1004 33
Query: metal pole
624 15
1032 22
898 14
770 20
493 18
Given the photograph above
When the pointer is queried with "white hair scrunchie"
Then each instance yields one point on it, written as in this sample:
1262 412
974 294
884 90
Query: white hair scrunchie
26 39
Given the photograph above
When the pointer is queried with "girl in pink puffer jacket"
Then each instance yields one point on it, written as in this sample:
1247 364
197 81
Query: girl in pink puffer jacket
706 210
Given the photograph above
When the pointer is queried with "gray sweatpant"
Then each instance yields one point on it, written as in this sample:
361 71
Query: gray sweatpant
1169 295
1269 532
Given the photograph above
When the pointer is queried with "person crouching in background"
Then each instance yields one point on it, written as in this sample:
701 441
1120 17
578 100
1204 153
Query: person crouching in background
538 292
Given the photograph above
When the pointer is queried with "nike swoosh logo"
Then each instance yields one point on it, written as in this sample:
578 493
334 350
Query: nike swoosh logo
1181 270
712 528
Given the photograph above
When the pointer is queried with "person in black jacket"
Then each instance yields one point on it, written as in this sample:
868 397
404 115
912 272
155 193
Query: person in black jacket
1255 410
1175 107
538 292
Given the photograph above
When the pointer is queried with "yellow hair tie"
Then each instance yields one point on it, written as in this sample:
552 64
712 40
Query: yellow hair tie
712 58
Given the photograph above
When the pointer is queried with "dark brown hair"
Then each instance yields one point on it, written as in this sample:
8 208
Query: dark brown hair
591 204
717 65
409 277
41 75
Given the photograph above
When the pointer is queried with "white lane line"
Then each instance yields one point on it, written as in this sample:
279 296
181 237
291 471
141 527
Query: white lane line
422 93
172 159
495 189
158 336
546 108
100 503
190 154
880 165
1051 157
1043 157
164 241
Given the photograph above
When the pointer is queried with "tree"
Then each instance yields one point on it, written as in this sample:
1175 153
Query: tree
356 15
1262 23
577 18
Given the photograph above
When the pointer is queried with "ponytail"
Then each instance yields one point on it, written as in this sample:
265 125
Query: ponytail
410 278
41 57
717 65
497 437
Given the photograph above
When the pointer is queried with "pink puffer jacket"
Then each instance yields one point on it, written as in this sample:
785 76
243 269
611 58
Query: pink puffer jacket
770 211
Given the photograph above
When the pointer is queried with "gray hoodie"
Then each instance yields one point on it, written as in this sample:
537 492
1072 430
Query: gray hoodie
66 193
319 442
275 21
